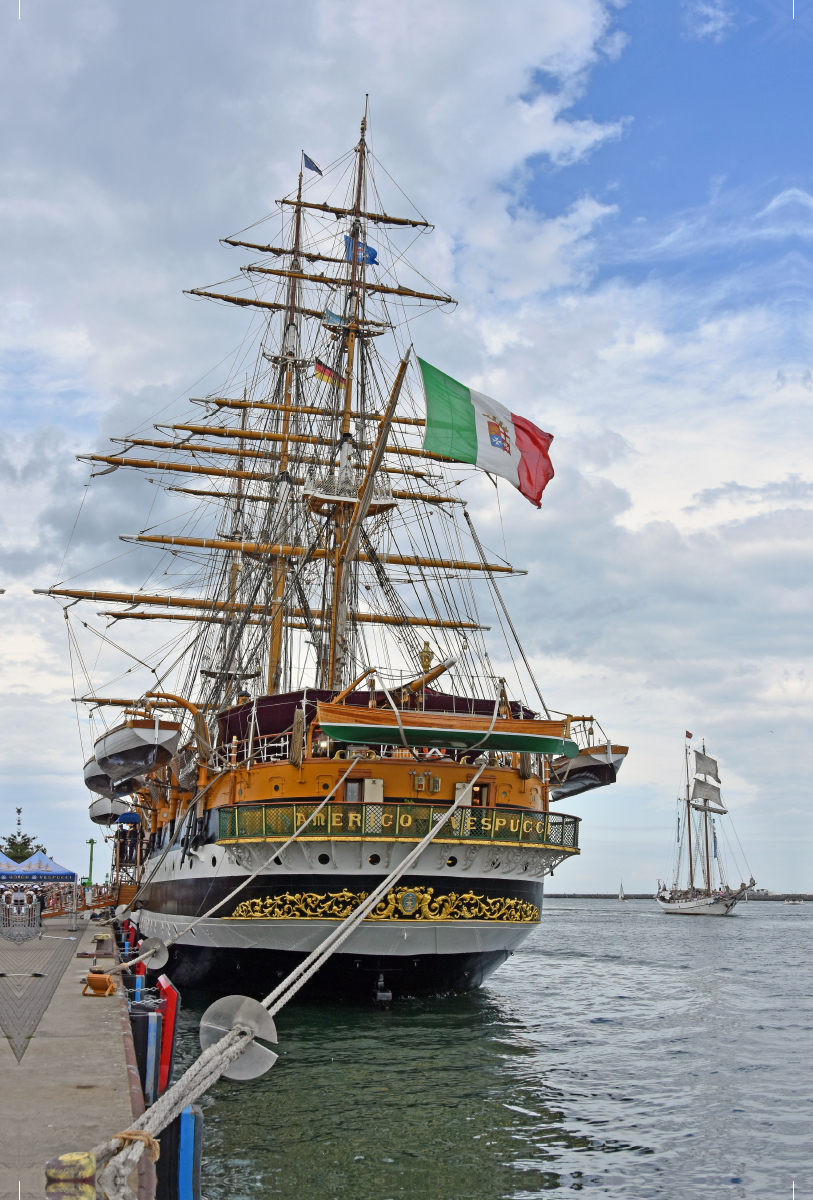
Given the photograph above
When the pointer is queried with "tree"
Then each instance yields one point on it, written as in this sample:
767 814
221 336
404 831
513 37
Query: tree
18 845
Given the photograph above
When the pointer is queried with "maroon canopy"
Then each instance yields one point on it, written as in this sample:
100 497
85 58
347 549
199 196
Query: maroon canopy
275 714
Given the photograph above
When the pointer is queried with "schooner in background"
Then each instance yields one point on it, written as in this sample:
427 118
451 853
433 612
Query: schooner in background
700 886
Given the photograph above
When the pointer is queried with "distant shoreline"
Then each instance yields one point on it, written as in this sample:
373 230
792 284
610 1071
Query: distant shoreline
780 896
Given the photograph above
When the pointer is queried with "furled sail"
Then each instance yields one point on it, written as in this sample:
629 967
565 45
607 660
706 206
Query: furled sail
706 791
704 764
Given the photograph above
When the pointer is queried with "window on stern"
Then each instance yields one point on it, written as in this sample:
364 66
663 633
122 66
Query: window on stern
354 791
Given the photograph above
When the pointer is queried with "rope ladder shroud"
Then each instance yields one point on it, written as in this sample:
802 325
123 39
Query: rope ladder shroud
120 1160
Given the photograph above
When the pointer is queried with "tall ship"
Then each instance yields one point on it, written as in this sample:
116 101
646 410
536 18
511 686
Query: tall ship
327 690
699 886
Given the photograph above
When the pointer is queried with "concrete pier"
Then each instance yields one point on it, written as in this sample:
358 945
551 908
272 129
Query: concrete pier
65 1080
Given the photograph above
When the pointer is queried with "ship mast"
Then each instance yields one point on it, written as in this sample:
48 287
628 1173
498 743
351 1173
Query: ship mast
689 823
338 624
290 350
306 470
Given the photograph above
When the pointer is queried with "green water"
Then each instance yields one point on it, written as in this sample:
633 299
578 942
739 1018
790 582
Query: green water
621 1051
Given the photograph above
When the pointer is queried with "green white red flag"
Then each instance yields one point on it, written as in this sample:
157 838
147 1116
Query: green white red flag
471 427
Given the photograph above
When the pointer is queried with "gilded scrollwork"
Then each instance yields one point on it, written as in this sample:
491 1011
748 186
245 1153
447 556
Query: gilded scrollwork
401 904
303 906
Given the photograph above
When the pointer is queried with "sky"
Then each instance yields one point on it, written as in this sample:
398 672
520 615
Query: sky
623 206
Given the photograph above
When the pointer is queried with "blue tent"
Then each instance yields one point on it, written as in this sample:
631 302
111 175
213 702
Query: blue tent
39 868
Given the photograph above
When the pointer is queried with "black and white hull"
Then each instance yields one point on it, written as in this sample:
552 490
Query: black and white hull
445 926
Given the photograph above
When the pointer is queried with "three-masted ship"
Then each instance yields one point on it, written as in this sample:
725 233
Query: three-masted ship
699 886
326 593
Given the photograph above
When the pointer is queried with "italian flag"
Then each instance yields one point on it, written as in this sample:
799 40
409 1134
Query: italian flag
469 427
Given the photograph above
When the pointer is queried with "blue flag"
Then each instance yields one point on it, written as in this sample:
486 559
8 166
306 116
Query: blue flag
331 318
364 253
310 164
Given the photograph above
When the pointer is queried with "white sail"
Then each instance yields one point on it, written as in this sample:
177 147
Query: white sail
704 764
706 791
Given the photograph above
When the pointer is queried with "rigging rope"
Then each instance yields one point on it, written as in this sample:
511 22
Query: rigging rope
493 583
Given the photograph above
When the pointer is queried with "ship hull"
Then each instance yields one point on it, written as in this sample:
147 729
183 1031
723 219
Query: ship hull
436 932
257 971
699 906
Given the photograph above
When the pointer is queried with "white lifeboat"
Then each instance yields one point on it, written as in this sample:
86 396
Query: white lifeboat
137 747
593 766
106 809
99 781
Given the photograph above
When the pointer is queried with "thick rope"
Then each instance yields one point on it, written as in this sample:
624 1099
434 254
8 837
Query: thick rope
299 976
275 853
211 1064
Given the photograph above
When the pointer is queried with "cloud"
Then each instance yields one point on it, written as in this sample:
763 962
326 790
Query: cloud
669 580
708 19
791 492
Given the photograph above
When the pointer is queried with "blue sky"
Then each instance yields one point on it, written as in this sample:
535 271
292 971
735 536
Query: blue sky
623 201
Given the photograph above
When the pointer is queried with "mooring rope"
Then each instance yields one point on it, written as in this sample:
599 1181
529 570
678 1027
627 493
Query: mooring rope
276 852
120 1158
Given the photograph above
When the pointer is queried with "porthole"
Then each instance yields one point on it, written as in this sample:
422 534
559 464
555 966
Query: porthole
374 860
276 788
451 861
325 787
324 859
278 861
214 861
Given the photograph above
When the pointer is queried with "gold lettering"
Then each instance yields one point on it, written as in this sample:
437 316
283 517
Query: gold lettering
336 820
527 825
386 820
499 822
405 820
513 825
354 821
319 819
540 827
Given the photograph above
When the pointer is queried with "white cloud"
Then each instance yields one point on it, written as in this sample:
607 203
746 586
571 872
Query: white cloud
712 19
669 576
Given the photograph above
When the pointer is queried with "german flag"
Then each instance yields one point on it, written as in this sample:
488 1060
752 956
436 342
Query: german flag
323 371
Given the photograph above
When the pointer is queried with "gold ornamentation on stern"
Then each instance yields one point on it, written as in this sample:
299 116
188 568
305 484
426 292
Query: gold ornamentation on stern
410 904
304 906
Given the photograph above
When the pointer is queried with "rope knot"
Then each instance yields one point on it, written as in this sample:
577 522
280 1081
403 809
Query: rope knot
140 1135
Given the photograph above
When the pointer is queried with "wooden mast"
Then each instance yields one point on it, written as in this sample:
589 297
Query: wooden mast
338 631
689 823
290 348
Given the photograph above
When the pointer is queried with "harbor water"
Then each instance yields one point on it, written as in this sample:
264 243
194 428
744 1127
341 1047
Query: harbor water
620 1051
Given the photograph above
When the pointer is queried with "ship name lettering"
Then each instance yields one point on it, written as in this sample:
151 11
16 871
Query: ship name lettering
354 820
405 820
386 820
